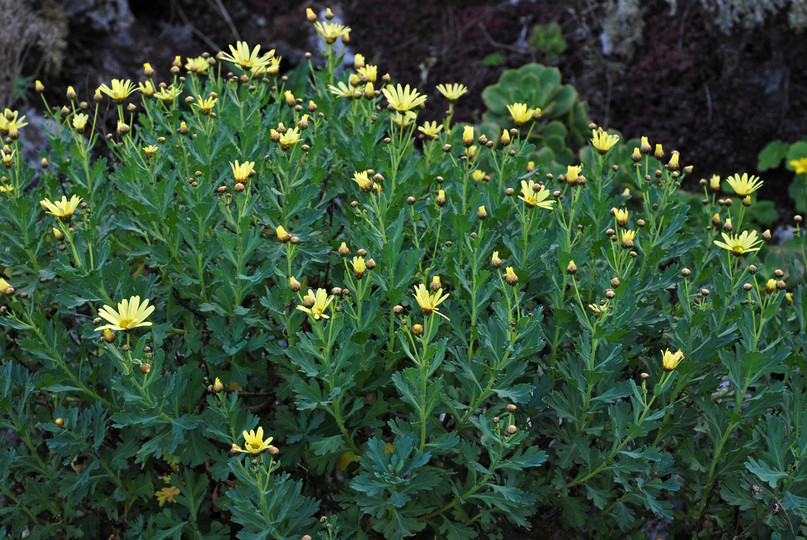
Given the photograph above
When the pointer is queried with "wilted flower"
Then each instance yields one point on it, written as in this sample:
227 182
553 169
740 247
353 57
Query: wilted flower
167 494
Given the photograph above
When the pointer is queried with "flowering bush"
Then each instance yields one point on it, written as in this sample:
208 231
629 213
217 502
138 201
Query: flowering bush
273 312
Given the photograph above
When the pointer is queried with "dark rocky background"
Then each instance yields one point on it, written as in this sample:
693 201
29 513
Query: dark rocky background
681 72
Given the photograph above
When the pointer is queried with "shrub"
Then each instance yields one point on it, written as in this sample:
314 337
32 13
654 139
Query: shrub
265 309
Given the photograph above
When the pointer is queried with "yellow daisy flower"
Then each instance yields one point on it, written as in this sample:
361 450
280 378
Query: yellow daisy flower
241 56
241 171
534 198
316 304
80 121
603 141
370 71
254 442
147 88
363 180
428 302
330 31
290 138
169 94
671 360
62 209
621 216
120 90
205 106
521 113
739 244
744 185
342 89
452 92
130 314
359 266
431 129
800 165
197 65
403 99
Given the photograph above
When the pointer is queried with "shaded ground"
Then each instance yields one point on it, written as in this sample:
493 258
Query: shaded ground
718 99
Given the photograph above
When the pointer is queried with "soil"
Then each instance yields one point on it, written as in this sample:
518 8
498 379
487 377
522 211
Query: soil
718 99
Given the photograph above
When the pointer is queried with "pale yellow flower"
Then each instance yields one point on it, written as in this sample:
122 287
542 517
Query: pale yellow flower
603 141
241 171
130 314
534 198
452 92
744 185
120 90
739 244
671 360
370 71
290 138
428 302
254 442
431 129
319 302
330 31
197 65
147 88
363 180
403 99
62 209
169 94
521 113
241 56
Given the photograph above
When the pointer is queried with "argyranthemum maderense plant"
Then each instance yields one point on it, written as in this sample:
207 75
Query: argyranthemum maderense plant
300 240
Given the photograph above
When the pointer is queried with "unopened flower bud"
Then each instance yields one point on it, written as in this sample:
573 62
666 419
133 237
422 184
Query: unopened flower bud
747 286
294 285
705 292
417 329
282 235
510 276
481 213
615 282
509 191
511 429
59 422
145 368
343 250
370 264
752 269
362 252
398 309
767 234
770 286
108 336
571 268
659 153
